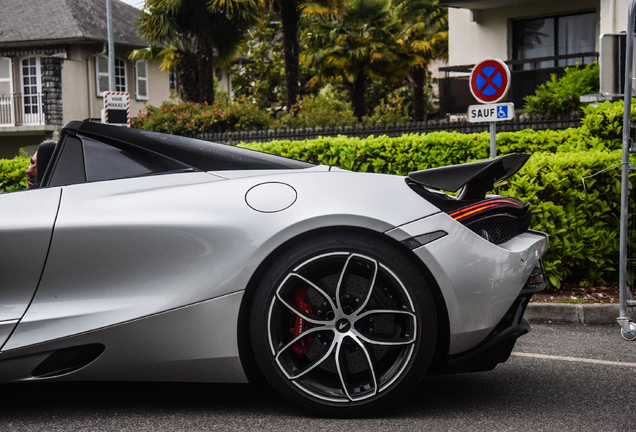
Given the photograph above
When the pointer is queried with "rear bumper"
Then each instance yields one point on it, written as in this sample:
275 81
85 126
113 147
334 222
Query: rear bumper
496 348
478 280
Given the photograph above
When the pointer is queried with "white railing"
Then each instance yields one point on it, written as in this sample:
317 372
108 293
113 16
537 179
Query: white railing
20 109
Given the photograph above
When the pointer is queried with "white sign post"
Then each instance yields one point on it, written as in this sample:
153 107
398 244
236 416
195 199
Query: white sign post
489 83
117 108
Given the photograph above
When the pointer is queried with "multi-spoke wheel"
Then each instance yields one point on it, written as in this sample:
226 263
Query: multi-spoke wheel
342 323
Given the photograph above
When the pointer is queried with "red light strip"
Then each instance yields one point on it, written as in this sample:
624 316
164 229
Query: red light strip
476 208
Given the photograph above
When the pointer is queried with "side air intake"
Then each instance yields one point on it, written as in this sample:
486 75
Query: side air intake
67 360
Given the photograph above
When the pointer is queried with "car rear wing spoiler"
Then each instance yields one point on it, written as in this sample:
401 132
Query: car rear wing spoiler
476 178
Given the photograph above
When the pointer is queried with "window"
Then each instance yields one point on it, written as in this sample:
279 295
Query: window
101 75
554 36
105 162
30 76
141 75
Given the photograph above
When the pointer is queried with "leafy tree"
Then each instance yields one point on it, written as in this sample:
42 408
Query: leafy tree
290 12
259 75
362 43
195 36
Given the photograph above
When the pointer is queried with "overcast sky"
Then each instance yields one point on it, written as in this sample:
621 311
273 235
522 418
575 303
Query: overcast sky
136 3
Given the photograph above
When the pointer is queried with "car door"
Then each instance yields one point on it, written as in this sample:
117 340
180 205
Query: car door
26 226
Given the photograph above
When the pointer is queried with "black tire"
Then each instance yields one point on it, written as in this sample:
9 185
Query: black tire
368 320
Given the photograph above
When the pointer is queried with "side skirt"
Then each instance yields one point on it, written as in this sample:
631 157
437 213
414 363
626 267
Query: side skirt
196 343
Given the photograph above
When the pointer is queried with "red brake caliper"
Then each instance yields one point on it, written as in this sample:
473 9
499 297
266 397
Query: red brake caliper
300 325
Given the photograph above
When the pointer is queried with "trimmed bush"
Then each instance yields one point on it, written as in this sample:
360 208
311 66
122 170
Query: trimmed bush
12 174
413 152
583 227
605 121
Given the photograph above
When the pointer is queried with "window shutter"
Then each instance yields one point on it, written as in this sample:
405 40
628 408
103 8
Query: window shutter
6 111
101 75
141 72
5 76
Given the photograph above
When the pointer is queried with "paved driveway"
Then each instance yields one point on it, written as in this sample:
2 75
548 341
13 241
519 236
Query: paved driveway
560 378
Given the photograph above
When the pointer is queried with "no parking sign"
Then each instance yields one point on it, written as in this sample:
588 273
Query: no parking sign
490 80
489 83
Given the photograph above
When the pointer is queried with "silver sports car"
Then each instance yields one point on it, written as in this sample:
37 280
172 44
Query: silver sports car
144 256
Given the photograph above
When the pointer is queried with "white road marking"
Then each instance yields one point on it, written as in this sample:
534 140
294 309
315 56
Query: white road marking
574 359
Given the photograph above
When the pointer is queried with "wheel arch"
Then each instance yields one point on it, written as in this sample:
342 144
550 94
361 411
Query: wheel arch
246 354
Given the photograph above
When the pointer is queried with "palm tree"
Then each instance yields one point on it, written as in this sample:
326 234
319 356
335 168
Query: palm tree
290 12
363 43
425 36
192 37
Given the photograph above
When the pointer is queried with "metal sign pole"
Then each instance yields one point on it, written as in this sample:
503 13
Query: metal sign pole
629 332
111 46
493 140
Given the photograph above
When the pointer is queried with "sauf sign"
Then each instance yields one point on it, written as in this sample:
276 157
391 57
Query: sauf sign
489 83
491 112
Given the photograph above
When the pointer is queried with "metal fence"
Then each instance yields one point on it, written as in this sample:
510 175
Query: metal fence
21 109
453 124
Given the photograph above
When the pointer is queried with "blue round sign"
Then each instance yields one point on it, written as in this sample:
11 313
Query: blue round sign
490 80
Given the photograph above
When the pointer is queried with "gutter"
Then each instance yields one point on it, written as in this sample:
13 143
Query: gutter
47 42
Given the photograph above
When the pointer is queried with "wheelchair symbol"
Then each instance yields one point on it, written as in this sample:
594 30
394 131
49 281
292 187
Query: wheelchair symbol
502 112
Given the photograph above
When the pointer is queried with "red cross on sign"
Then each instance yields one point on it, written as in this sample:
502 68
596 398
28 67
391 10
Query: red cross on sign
490 80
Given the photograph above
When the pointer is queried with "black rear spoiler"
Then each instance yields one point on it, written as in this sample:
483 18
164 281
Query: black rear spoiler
476 178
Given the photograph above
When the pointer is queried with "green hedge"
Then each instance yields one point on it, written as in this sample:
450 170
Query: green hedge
583 231
583 226
12 174
412 152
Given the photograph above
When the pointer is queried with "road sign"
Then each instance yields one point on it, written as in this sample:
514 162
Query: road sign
491 112
490 80
117 108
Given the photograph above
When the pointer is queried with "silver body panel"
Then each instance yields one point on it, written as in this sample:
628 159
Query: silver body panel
154 267
130 248
26 225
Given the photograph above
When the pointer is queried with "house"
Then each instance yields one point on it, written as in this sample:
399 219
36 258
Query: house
54 67
536 38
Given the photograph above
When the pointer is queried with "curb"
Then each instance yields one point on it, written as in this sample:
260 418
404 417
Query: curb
574 313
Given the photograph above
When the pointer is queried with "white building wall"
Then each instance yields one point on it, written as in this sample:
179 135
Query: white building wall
78 84
474 35
613 16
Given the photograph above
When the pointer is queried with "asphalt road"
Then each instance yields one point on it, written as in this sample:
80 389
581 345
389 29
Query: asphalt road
560 378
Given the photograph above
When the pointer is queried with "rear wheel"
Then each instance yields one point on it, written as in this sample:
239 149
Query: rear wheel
343 324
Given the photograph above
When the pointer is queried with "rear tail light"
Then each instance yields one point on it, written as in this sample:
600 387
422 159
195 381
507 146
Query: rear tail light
484 206
496 219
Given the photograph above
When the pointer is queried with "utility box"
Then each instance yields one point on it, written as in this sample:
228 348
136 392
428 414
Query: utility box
612 64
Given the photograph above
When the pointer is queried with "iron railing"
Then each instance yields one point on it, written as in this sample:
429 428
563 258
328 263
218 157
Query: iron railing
572 120
21 109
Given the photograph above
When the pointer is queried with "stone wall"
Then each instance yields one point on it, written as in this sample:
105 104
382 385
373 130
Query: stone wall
52 89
